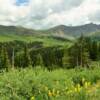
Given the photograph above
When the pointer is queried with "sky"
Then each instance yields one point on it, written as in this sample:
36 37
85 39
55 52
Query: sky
42 14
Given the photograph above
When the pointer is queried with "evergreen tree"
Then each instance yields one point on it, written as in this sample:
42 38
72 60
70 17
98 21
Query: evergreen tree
39 60
1 58
58 56
79 55
13 58
26 57
4 59
94 51
74 55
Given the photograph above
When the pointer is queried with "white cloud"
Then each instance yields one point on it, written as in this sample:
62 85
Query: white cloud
48 13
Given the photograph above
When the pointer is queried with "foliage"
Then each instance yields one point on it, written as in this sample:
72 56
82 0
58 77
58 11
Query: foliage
40 84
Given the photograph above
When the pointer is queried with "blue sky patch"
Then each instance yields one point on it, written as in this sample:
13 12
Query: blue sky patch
21 2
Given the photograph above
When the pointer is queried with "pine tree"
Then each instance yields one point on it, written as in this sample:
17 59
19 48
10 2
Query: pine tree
1 58
26 57
79 55
39 60
13 58
4 59
74 55
94 51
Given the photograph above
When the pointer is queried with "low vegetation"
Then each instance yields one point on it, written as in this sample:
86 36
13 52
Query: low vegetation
41 84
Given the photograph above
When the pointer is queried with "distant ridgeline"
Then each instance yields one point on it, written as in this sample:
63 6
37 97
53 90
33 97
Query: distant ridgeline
58 31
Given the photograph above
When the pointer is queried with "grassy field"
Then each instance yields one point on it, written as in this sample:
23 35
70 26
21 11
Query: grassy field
47 41
40 84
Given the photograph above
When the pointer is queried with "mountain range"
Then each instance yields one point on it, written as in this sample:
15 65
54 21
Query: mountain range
75 31
58 31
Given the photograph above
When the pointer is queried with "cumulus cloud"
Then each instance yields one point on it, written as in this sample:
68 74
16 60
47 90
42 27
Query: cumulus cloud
40 14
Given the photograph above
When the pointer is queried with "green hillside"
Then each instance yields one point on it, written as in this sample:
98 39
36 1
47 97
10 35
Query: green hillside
31 38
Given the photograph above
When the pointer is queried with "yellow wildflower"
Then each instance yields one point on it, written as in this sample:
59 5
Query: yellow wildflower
32 98
53 92
98 84
91 90
75 89
49 93
86 84
89 83
78 87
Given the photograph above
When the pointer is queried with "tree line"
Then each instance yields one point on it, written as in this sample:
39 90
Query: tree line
18 54
83 52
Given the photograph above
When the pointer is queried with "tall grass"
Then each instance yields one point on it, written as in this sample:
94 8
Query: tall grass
37 83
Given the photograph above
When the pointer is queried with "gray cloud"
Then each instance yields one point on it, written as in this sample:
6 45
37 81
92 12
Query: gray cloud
47 13
95 17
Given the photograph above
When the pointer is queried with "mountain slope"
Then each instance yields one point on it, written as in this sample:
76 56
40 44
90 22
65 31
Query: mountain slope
74 30
16 30
61 31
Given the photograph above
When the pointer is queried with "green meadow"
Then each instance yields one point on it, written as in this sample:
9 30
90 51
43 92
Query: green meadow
47 41
41 84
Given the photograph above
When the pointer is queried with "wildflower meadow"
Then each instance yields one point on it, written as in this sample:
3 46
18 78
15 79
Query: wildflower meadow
41 84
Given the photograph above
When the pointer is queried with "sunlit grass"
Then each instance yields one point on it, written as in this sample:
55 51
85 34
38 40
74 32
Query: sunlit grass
32 38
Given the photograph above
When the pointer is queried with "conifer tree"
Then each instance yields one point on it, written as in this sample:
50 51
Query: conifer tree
4 59
79 55
39 60
94 51
26 57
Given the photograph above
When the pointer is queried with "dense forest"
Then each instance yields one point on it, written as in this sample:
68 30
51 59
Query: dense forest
18 54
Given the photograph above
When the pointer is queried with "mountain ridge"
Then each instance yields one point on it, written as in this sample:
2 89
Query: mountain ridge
59 31
76 30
